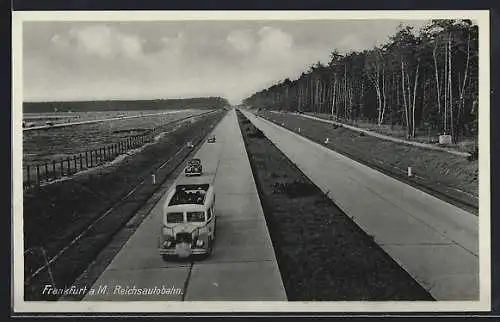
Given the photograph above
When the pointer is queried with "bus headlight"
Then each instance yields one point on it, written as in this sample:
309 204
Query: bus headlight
167 243
199 243
168 231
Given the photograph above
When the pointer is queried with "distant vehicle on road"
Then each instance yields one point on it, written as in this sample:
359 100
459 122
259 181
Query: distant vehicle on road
193 168
189 221
211 139
190 144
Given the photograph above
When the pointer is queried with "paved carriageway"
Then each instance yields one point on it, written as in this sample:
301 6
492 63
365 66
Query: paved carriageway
436 242
243 265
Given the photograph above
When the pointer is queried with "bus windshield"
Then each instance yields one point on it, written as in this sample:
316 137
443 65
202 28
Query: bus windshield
196 216
175 217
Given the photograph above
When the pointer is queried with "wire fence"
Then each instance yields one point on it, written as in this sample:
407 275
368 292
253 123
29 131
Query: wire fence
35 175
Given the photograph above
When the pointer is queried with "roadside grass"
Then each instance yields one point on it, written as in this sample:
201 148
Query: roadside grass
322 254
423 135
450 176
55 214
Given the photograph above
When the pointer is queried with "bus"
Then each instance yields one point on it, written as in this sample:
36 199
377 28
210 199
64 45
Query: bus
188 219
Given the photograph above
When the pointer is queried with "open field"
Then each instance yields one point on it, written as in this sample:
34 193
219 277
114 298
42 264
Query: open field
450 177
39 119
321 252
81 215
56 143
126 105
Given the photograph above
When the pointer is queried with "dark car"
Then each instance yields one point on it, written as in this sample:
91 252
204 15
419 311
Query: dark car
211 139
193 168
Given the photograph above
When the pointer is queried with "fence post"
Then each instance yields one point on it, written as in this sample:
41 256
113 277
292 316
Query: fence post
86 160
28 175
69 166
53 168
46 171
62 168
37 175
81 161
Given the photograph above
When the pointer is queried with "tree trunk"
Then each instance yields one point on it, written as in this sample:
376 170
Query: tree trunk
437 78
398 101
334 88
408 126
384 96
340 97
445 89
414 98
345 89
462 91
451 89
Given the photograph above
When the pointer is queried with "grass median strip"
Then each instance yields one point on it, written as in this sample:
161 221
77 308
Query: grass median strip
321 252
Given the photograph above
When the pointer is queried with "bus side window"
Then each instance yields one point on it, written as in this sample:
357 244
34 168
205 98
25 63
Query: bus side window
209 214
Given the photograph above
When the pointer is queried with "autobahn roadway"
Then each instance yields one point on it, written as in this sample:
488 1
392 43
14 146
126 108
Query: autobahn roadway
435 242
243 264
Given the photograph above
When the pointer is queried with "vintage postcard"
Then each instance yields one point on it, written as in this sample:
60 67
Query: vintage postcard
251 161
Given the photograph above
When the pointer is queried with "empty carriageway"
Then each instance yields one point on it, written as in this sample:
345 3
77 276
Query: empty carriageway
435 242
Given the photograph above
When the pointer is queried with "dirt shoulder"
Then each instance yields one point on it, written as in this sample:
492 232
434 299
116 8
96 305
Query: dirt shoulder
81 215
449 177
322 254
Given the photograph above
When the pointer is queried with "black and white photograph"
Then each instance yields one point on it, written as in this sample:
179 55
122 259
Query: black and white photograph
260 161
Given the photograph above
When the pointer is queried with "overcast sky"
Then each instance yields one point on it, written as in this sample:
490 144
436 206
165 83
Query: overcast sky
173 59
